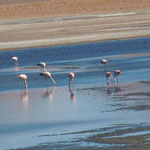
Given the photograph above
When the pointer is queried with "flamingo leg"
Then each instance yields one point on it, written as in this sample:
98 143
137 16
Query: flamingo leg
107 83
44 69
25 81
16 63
70 81
46 83
20 82
115 80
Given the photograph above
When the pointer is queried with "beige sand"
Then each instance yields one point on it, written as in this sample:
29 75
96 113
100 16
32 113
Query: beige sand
53 8
56 22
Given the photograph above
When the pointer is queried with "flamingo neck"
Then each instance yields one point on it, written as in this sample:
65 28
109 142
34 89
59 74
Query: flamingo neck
70 81
53 81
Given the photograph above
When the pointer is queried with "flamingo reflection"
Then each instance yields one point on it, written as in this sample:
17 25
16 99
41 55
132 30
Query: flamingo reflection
72 96
24 97
49 94
16 68
118 90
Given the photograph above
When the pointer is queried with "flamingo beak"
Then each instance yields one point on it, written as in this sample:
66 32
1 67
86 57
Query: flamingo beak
17 76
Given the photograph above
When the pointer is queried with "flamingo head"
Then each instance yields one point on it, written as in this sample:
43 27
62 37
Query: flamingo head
18 76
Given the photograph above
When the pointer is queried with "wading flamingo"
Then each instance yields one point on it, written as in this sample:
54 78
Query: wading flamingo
24 78
42 65
15 59
104 62
47 75
107 74
71 76
116 73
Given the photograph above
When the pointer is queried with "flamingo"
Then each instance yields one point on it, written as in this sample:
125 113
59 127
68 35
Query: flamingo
116 73
15 59
104 62
42 65
47 75
71 76
24 78
108 74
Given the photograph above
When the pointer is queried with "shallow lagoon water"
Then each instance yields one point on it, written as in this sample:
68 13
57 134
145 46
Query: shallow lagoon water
57 116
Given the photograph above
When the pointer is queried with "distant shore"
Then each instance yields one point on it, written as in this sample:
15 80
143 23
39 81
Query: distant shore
59 22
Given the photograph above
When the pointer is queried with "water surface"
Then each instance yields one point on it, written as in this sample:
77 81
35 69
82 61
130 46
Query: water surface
68 117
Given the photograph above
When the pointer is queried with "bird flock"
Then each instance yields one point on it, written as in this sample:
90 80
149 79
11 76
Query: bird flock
108 74
44 73
47 75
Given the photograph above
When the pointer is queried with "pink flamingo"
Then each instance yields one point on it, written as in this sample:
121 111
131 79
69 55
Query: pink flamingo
15 59
24 78
116 73
42 65
71 76
47 75
104 62
107 74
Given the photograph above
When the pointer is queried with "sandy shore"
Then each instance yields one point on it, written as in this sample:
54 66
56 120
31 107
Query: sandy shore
58 22
57 8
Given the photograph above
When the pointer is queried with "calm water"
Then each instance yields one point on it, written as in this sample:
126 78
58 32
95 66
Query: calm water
40 114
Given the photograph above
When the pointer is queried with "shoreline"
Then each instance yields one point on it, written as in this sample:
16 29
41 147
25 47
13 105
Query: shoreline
74 43
23 34
71 25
